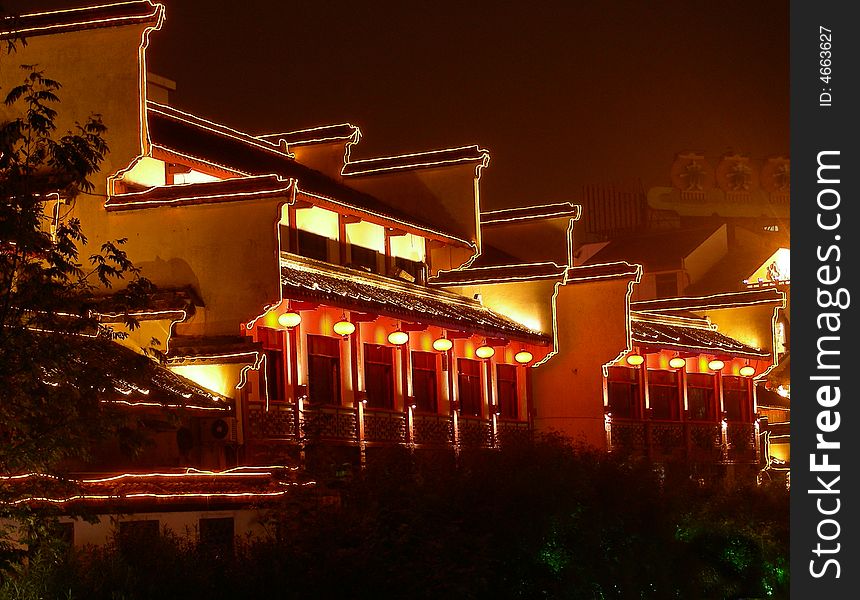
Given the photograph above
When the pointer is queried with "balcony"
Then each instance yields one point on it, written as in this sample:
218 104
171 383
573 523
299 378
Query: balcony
339 424
684 441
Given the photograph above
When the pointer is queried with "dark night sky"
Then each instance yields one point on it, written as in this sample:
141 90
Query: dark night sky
562 93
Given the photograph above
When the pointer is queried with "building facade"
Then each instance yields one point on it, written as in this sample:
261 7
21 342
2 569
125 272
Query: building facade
315 299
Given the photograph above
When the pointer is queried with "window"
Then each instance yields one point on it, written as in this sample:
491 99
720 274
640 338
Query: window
701 396
506 390
364 258
736 397
413 268
424 381
323 370
136 535
379 376
312 245
663 395
623 391
469 385
216 537
667 285
273 346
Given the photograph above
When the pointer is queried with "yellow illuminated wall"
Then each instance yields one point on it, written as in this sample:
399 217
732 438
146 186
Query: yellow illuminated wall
319 221
218 378
366 235
526 302
592 331
445 195
409 246
100 72
146 171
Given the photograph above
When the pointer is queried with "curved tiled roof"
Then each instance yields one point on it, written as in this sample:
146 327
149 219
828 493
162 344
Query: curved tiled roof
500 274
76 19
684 337
355 290
139 381
712 301
419 160
314 135
528 213
197 138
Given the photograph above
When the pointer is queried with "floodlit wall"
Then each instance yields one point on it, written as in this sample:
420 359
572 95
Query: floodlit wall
227 252
544 241
526 302
592 331
100 74
181 523
752 325
443 196
327 158
706 255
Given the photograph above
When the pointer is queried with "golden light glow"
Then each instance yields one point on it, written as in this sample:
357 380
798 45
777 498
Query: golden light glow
716 365
485 351
677 363
747 371
289 319
344 327
398 338
442 344
523 357
635 359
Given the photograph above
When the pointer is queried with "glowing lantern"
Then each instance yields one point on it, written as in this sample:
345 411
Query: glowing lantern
289 319
485 351
716 365
398 338
523 357
344 327
748 371
442 344
677 363
635 359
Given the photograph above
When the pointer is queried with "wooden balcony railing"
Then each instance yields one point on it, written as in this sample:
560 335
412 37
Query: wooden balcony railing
432 430
384 426
475 432
340 424
330 423
690 441
278 422
512 432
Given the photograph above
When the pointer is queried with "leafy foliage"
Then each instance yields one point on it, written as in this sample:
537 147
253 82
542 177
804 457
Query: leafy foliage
542 520
51 409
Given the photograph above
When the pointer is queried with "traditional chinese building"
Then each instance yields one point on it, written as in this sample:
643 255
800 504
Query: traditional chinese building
316 299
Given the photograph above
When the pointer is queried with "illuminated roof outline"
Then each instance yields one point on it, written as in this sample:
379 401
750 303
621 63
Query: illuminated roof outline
303 278
77 19
417 160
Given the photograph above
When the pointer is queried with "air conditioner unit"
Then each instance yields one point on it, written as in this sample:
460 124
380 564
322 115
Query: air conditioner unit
224 430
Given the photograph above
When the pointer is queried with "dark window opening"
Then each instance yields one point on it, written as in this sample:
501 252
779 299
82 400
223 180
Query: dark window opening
623 392
413 269
312 245
424 381
379 376
667 285
701 396
134 536
216 537
364 258
736 397
469 386
663 395
323 370
506 389
273 347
